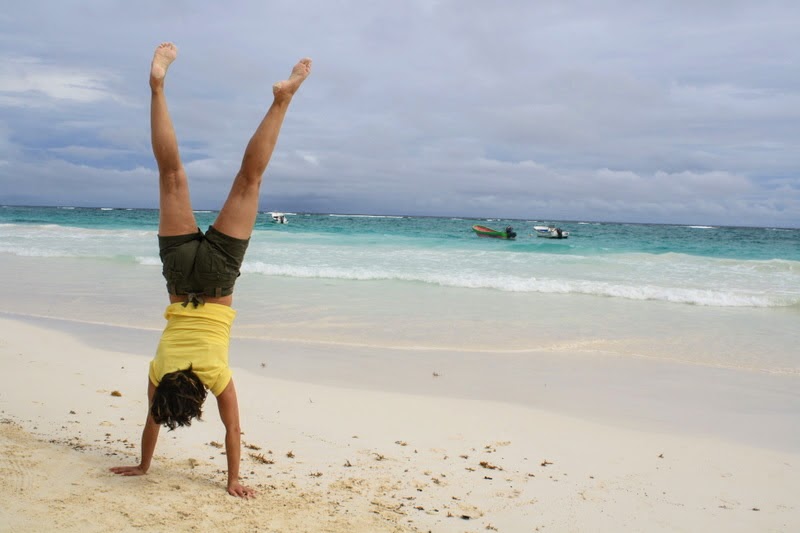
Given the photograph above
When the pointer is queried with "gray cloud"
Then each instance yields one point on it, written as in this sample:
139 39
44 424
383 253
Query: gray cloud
615 110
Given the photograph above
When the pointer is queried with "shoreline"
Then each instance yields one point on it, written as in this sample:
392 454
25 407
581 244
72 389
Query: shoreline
622 391
386 315
363 459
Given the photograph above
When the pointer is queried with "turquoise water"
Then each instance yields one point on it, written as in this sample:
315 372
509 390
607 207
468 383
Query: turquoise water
593 238
696 265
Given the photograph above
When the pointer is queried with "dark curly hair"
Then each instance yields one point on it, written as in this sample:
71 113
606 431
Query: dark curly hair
178 398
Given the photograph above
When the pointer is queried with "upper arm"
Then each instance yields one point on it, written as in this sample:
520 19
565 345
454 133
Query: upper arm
151 390
228 404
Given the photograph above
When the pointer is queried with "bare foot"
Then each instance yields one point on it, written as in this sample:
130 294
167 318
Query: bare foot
287 88
164 55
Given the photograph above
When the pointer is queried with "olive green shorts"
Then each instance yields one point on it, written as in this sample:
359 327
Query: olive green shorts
201 263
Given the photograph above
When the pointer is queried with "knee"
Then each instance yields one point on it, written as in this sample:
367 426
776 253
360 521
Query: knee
248 180
172 180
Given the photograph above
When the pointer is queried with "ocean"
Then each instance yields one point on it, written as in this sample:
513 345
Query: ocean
706 295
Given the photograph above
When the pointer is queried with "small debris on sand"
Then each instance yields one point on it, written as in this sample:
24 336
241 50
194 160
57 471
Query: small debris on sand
259 457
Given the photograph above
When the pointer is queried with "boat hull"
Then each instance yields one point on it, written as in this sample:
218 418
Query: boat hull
278 218
550 232
483 231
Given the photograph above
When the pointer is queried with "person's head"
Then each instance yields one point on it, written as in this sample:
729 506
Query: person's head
178 398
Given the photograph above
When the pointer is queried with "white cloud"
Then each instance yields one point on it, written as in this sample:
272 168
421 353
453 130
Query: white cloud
27 79
311 159
89 152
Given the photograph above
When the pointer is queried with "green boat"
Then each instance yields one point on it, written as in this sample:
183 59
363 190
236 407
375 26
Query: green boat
483 231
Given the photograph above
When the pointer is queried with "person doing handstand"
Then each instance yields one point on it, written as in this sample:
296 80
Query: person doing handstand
200 270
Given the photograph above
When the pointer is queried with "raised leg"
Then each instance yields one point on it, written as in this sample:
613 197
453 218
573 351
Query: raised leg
175 216
238 216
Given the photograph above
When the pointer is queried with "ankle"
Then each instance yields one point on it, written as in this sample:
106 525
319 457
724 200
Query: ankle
156 85
282 99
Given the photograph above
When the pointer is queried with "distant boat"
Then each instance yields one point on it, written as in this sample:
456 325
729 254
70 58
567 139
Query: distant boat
550 232
279 218
483 231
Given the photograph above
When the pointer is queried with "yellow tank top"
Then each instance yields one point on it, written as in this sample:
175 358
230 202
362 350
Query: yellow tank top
197 336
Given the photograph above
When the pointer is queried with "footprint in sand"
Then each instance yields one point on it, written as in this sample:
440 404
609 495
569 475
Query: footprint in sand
15 464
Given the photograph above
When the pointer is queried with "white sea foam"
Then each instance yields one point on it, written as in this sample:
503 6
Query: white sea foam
362 216
148 261
510 283
34 252
69 231
51 240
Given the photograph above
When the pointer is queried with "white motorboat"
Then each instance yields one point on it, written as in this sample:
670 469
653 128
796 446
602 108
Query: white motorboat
279 218
550 232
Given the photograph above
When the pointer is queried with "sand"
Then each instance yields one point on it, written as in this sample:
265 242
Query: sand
329 458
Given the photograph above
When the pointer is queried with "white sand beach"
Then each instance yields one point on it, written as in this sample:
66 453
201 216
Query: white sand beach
357 459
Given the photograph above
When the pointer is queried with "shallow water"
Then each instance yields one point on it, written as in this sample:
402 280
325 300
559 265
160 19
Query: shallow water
724 297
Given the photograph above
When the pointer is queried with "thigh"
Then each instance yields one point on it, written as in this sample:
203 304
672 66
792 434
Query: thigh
176 216
178 253
238 216
218 262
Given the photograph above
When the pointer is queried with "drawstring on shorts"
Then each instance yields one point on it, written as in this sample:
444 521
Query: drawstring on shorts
194 298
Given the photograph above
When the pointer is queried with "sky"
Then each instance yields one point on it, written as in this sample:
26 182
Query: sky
667 111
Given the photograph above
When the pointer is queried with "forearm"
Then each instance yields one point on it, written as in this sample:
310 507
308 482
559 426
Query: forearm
149 439
233 451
